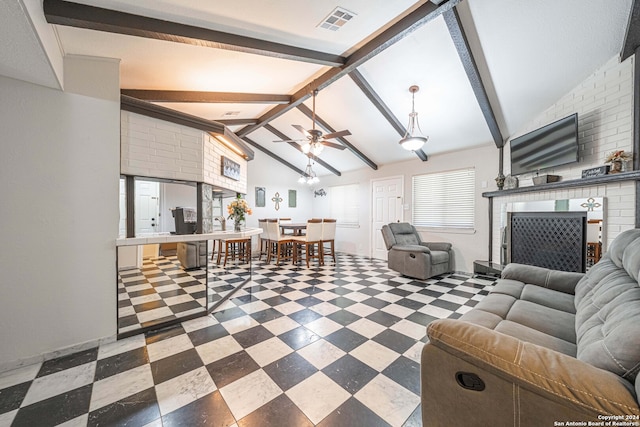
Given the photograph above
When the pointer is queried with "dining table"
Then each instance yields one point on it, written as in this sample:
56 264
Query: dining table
297 228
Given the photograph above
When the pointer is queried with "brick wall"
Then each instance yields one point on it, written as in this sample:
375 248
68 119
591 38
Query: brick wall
158 149
604 103
213 151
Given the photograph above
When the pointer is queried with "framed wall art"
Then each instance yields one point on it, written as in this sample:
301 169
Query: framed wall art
261 197
230 169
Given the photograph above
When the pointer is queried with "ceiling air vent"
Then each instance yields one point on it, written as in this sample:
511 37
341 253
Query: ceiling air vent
336 19
231 114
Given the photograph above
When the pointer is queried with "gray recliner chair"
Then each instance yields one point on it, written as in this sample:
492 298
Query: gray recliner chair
410 256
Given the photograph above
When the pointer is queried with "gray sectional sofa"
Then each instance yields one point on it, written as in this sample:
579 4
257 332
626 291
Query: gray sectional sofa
544 348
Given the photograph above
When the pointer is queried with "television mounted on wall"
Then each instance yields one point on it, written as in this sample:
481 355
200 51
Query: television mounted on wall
552 145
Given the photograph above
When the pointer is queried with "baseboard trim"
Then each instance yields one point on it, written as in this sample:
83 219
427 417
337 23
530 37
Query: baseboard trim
65 351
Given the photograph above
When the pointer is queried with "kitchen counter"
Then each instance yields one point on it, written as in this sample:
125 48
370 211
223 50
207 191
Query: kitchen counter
154 238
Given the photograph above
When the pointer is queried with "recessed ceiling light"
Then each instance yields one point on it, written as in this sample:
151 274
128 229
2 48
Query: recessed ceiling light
336 19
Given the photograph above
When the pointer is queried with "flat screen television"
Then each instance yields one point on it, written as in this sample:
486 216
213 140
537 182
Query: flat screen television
552 145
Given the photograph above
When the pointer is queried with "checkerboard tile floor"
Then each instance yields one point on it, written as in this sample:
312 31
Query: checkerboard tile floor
337 345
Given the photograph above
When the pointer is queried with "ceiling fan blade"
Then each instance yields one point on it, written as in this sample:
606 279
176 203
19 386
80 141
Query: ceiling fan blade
302 130
333 145
288 140
337 134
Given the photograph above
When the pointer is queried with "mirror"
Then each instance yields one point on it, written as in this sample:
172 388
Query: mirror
158 283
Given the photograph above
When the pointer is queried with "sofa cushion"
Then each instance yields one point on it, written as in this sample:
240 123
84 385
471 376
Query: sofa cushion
608 309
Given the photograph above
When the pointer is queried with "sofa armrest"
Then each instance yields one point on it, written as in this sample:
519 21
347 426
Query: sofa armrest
553 375
437 246
411 248
562 281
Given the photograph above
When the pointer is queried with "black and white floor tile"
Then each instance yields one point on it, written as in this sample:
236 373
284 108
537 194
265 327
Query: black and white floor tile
337 345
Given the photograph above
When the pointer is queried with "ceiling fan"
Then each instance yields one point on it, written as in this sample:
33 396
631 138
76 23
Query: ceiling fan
315 140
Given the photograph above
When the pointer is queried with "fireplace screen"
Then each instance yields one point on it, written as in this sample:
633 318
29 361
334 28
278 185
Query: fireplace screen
555 240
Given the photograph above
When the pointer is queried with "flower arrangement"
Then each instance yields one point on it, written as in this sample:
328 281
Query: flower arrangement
618 156
237 211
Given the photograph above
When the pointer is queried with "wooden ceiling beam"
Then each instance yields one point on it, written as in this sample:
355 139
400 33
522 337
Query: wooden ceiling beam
205 97
401 29
632 37
321 162
382 107
307 112
469 64
272 155
77 15
237 122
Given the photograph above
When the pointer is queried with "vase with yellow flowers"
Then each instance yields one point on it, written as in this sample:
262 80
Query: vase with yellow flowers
238 209
617 159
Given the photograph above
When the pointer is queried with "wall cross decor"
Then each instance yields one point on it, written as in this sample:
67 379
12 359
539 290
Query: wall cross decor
277 199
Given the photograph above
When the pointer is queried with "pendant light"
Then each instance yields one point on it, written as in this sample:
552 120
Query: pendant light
309 176
411 141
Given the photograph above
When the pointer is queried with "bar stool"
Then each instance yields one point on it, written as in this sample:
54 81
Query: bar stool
240 247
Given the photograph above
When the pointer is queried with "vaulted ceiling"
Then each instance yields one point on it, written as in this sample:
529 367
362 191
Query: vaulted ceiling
485 67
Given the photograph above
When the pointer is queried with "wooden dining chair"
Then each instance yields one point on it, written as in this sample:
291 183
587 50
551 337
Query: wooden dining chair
263 239
311 241
279 245
328 237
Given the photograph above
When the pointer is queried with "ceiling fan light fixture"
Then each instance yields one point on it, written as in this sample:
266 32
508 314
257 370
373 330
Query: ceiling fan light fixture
410 141
316 148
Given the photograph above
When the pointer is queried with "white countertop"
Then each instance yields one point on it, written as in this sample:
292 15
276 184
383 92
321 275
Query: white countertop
153 238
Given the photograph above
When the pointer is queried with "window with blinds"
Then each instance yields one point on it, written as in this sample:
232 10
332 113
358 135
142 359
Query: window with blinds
343 200
445 199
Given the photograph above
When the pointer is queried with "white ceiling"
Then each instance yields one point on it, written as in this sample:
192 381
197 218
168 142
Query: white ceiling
529 55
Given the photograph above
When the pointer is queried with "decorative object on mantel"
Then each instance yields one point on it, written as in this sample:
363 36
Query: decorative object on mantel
617 158
261 197
544 179
599 171
500 181
277 200
411 141
237 211
319 192
510 182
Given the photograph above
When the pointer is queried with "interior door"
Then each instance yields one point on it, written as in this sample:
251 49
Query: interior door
147 206
387 197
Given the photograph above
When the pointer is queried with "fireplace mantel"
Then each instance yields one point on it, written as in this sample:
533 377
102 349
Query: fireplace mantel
583 182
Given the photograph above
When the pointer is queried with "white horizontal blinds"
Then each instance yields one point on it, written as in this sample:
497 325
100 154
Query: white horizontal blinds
344 204
444 199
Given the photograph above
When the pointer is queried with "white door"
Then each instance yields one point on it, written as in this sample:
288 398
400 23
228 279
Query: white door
387 199
122 229
147 206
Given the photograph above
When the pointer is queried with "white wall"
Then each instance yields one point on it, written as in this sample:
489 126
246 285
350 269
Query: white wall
467 246
59 168
604 103
276 178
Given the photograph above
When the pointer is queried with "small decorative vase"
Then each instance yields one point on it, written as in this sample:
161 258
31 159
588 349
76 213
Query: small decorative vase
616 166
236 225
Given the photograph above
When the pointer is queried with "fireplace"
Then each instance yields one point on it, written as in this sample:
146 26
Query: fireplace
555 240
555 234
